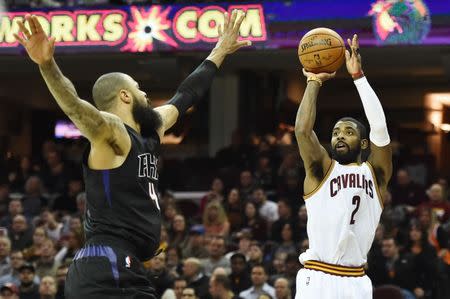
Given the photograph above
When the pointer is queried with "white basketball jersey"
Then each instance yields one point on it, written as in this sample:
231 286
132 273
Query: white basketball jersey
343 214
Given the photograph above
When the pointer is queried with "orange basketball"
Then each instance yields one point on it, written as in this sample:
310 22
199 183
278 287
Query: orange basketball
321 50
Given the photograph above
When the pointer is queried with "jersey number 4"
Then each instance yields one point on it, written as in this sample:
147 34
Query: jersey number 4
153 196
355 201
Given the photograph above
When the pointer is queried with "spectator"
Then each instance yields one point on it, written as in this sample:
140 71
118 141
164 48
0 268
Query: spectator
71 244
282 290
27 288
216 193
46 265
21 175
437 235
292 266
437 203
264 174
20 235
215 220
33 201
55 173
253 221
233 210
277 268
287 246
32 253
5 261
405 191
179 231
15 208
268 210
216 257
285 216
220 288
67 202
246 185
259 284
61 274
174 257
196 244
9 291
245 238
179 284
195 277
300 224
158 274
17 261
169 212
4 199
240 276
52 227
256 254
190 293
81 204
47 288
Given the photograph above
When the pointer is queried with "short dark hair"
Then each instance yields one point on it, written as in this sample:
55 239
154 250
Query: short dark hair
238 255
259 266
361 128
106 88
223 280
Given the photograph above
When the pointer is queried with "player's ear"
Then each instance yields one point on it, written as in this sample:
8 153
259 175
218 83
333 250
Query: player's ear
364 144
125 96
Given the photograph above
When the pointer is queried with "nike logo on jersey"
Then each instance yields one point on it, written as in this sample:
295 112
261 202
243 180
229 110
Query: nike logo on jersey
351 180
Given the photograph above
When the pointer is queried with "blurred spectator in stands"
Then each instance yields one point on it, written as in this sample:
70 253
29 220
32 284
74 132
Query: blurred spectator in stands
215 220
256 256
216 193
287 240
234 210
267 209
437 203
246 185
425 258
174 260
18 177
27 288
75 223
253 221
191 293
20 235
220 288
444 183
405 191
216 258
46 265
277 268
55 173
179 231
17 260
9 291
236 155
196 244
259 284
282 290
393 217
34 252
159 275
196 279
81 204
5 250
61 274
285 216
300 224
244 240
15 208
52 227
240 274
47 288
71 243
4 199
67 202
264 174
170 210
33 201
292 266
289 167
176 291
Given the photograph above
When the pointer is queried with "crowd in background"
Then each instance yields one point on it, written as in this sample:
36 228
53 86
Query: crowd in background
242 238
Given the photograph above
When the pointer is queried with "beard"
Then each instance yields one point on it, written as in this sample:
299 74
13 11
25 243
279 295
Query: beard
147 118
346 158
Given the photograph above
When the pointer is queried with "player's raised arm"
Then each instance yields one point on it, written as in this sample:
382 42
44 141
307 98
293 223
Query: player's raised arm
40 48
381 152
314 156
195 86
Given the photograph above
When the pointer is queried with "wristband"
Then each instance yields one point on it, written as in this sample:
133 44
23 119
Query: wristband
358 75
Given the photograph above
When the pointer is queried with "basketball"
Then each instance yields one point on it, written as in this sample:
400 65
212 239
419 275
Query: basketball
321 50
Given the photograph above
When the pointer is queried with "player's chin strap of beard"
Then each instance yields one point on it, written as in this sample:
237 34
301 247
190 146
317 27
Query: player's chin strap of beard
374 111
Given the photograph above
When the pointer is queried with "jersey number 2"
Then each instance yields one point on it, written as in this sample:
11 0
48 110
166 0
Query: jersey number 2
153 196
355 201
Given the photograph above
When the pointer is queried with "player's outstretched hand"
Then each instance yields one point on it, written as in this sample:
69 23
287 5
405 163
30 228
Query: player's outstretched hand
322 76
352 57
39 47
229 34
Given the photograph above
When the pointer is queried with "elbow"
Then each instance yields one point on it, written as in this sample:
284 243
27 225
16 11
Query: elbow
301 130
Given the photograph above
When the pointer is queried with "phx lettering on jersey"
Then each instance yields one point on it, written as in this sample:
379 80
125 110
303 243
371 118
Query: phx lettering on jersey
351 180
148 166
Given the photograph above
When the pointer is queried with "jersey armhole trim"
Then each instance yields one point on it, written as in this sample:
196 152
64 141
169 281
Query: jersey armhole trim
327 174
377 188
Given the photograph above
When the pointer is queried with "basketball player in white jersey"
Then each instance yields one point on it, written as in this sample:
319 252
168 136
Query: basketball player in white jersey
343 194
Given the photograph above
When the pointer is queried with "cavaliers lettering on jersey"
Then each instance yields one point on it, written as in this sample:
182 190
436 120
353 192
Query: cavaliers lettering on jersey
343 214
122 203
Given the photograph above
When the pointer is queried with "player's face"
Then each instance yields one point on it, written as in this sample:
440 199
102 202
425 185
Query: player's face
345 142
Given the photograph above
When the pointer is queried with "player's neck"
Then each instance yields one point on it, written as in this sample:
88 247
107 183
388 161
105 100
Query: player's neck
127 119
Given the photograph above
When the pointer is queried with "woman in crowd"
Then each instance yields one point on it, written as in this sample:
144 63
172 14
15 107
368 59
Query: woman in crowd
215 220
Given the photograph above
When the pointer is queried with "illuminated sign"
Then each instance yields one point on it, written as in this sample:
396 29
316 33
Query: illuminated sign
137 29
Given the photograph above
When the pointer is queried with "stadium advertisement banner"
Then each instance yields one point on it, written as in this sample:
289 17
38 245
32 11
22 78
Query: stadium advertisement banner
270 25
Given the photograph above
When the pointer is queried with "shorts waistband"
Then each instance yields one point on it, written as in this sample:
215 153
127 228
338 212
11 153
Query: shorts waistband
115 243
335 269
